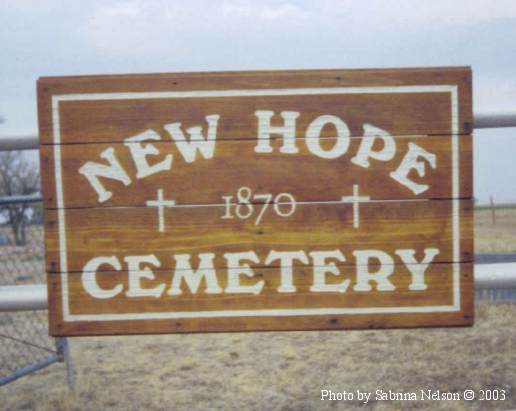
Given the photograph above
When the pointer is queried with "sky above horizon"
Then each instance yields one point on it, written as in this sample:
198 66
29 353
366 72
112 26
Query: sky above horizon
44 38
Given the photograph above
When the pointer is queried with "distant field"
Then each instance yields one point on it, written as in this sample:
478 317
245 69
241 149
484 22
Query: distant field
286 371
495 238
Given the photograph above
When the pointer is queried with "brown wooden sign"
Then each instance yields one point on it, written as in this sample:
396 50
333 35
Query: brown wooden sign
281 200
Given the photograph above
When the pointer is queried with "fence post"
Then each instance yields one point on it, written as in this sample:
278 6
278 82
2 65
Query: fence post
493 211
63 352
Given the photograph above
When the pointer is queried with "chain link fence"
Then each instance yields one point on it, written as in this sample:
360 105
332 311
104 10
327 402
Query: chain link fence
24 340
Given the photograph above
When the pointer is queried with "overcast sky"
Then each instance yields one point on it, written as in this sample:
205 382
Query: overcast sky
48 37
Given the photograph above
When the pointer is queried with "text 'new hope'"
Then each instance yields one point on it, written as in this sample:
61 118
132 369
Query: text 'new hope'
149 161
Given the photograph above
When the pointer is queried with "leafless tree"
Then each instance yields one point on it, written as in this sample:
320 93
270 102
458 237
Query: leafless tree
17 177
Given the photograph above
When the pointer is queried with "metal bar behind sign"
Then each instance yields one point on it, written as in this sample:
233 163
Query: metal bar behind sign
481 120
34 297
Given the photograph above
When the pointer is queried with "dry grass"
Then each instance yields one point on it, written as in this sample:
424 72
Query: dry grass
280 371
286 371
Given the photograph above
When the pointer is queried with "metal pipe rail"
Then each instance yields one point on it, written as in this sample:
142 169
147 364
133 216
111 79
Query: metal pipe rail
494 120
480 120
23 297
34 297
498 275
25 142
31 198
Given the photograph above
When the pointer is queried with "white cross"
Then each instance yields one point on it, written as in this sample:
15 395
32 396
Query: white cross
355 199
161 204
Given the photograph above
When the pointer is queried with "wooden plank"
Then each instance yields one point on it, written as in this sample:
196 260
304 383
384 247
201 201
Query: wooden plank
192 230
235 164
400 113
439 278
364 176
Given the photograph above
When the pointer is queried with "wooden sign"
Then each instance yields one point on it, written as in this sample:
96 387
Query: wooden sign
275 200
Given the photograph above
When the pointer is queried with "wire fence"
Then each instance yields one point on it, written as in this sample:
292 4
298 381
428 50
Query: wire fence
24 338
496 295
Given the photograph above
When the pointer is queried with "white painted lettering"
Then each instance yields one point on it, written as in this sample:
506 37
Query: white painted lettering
188 149
137 272
287 259
140 153
321 268
265 129
365 151
410 162
92 171
313 137
89 277
417 269
184 271
236 269
380 277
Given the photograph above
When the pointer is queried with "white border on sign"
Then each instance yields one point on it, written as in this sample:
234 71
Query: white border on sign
67 316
